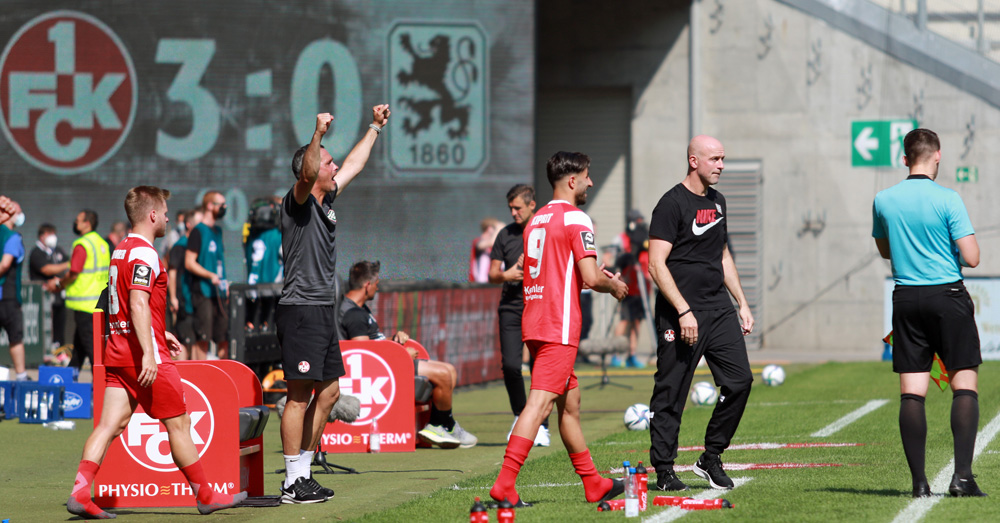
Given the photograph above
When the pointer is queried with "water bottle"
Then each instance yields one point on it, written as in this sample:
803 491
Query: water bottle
374 439
626 465
631 496
478 513
642 482
64 424
505 512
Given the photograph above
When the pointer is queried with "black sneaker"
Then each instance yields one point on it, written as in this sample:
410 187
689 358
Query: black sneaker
328 492
617 487
667 480
710 467
965 487
922 490
301 492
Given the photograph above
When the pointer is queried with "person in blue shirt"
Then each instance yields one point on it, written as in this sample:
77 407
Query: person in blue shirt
204 261
11 318
924 230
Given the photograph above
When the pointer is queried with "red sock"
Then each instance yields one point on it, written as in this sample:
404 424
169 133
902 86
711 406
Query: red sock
195 475
594 486
513 458
81 487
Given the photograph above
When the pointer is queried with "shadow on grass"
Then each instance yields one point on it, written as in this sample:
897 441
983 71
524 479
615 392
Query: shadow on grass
891 493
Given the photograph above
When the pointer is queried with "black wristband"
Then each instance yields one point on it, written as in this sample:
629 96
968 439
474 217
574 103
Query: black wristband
683 313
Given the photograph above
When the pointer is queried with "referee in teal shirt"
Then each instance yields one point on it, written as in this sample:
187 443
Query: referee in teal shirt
924 230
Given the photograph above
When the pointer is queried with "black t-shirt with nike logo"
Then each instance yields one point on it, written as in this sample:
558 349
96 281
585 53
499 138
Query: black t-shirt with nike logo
696 227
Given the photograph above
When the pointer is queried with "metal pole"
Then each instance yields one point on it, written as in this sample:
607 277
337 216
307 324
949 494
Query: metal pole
922 15
980 39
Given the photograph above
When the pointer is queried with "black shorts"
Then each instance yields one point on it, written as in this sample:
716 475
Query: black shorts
310 348
211 321
933 318
183 328
632 309
12 321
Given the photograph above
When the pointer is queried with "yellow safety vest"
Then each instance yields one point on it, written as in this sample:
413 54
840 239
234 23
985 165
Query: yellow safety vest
83 293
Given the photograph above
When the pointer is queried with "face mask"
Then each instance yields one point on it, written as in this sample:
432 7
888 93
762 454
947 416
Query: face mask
19 219
50 241
76 230
221 212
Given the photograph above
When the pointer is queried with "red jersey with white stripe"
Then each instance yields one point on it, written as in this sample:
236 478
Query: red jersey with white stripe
135 265
556 238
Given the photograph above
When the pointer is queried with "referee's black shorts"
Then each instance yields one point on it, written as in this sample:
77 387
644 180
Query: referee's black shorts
310 348
933 318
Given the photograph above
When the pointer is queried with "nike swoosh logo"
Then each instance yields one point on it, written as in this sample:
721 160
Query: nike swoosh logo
699 230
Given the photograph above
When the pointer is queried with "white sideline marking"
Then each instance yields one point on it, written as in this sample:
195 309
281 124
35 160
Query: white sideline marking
848 419
519 487
919 507
673 513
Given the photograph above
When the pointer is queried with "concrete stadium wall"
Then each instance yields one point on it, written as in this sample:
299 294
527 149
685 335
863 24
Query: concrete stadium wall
777 85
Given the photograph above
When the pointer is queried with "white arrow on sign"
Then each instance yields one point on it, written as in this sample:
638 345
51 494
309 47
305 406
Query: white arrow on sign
865 143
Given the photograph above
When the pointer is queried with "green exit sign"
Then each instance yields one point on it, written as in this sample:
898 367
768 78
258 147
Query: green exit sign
967 174
879 143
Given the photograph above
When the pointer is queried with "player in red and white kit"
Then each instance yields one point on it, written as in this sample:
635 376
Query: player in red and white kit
137 359
559 259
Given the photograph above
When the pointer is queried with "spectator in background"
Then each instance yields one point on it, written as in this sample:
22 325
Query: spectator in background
175 233
88 276
479 262
11 318
119 230
179 286
358 323
205 264
632 251
46 264
263 246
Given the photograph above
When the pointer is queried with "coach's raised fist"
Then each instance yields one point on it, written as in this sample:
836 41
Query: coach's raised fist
323 121
380 114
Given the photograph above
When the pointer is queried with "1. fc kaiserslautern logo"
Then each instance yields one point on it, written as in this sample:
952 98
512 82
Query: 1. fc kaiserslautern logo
439 91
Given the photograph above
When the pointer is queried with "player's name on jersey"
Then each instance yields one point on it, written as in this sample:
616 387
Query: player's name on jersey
541 218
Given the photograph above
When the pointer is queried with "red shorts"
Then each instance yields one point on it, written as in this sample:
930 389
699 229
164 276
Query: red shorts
163 399
553 368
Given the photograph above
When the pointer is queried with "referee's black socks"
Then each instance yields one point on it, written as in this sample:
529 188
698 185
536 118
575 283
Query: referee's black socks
964 423
913 430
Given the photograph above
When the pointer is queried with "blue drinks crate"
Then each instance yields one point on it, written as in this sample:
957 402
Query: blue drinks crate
49 375
39 403
8 398
78 401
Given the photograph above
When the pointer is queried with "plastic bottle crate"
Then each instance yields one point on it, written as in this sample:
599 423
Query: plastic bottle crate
39 403
8 399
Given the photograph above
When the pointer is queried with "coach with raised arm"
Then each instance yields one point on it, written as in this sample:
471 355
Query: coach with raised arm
925 231
306 316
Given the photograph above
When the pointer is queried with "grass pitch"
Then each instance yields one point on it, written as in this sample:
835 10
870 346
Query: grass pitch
864 482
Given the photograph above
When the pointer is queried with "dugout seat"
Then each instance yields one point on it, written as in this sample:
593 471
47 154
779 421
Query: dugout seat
423 390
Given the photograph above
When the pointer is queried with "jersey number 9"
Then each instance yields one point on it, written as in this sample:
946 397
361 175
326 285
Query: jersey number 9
536 242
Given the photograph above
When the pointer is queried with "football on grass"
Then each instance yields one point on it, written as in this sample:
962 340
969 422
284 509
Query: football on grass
704 393
637 417
773 375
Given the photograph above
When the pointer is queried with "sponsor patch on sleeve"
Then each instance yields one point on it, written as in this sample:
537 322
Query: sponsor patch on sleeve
140 275
587 238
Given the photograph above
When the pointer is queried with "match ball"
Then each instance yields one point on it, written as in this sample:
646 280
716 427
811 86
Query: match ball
773 375
637 417
704 393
